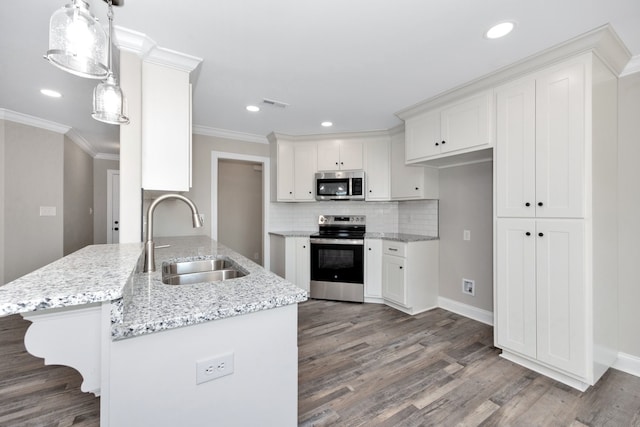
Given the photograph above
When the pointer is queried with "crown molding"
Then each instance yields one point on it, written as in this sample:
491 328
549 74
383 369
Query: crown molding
330 136
147 49
229 134
106 156
37 122
633 66
81 142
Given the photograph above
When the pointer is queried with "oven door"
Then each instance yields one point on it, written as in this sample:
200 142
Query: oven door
337 269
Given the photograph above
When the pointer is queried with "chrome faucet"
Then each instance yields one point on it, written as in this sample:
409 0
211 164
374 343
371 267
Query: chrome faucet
149 246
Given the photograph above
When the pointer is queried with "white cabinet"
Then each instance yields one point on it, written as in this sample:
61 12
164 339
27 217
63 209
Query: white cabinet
290 259
556 234
377 168
542 291
410 182
541 128
294 166
461 127
410 275
340 155
373 269
166 128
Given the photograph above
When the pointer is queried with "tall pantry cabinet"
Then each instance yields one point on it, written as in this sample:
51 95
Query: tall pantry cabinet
555 220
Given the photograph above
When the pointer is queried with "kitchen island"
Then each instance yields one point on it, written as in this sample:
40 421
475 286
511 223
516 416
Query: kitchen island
137 341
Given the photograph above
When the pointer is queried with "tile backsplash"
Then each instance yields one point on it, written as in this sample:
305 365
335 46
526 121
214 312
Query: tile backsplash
414 217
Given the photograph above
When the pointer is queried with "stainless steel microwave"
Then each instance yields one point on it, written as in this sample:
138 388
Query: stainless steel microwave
340 185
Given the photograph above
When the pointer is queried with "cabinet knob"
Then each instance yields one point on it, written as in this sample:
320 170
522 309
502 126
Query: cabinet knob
115 229
309 192
437 144
527 204
304 246
444 142
369 248
527 233
540 234
336 163
400 267
417 188
370 191
290 192
342 163
539 203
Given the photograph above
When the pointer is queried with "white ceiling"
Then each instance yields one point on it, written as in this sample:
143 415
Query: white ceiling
352 62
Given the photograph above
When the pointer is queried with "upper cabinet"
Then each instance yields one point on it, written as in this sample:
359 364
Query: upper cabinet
293 166
410 182
377 168
166 122
541 129
339 155
460 127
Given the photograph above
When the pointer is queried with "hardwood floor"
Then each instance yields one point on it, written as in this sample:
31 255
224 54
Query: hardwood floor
368 364
361 365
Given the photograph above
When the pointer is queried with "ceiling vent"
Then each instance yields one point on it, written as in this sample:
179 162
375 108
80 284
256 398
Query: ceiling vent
274 103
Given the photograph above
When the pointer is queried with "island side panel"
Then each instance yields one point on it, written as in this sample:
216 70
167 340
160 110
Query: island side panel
152 378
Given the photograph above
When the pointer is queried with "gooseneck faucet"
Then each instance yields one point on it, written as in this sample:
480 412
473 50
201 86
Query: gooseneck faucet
149 246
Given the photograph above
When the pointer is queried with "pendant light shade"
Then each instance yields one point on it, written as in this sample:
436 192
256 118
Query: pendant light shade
108 102
77 42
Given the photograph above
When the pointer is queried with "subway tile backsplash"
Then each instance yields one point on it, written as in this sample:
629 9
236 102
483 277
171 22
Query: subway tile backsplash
413 217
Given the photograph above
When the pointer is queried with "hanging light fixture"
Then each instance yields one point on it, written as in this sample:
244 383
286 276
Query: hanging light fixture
108 101
77 42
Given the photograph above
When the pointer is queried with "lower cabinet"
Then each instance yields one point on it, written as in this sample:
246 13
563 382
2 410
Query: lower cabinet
290 259
410 275
373 269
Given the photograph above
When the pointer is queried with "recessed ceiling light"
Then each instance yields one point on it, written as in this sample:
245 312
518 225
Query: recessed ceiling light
326 124
499 30
51 93
253 108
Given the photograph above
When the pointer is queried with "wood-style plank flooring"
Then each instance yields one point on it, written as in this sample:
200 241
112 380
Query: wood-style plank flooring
368 364
361 365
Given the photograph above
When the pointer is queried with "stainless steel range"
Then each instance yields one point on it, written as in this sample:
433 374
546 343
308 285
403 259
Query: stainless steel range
337 258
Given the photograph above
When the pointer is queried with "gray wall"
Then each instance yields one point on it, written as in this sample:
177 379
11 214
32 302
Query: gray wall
240 207
100 168
629 213
2 162
78 198
33 169
466 203
172 218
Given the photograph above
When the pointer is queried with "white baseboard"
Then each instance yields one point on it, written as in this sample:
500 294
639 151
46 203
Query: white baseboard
482 316
628 363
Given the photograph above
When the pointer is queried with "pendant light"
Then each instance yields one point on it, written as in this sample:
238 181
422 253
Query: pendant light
77 42
108 101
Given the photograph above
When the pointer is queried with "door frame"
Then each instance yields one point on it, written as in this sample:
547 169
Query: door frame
110 174
266 196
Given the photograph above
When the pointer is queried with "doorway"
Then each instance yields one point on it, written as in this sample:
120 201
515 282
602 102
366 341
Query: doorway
239 199
113 206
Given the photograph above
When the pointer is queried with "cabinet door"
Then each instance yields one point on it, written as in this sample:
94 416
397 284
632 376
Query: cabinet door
328 155
351 155
393 279
305 166
516 286
422 136
377 169
560 142
466 124
406 181
562 295
373 268
515 150
285 171
303 263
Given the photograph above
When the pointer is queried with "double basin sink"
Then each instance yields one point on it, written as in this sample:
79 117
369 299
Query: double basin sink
200 271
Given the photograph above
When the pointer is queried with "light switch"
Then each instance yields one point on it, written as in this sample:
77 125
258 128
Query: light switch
47 211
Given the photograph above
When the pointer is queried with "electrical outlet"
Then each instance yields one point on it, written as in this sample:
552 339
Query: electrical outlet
216 367
469 287
466 235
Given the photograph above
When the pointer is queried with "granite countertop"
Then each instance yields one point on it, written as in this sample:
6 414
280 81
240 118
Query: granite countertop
293 233
141 303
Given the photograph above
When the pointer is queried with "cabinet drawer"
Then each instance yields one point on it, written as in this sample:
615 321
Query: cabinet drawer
394 248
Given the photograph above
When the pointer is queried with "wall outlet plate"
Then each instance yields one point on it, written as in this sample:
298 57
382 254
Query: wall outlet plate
469 287
213 368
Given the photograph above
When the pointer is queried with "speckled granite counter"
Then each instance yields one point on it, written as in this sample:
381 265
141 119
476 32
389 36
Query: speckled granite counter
293 233
141 302
400 237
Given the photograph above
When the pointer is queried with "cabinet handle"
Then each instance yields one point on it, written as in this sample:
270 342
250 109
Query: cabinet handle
527 233
393 249
540 234
444 142
539 203
527 204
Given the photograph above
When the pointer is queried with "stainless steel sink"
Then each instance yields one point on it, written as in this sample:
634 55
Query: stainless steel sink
200 271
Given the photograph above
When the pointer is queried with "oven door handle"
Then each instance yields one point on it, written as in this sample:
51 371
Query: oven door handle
337 241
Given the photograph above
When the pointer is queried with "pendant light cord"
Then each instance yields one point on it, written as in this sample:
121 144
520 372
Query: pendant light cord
110 17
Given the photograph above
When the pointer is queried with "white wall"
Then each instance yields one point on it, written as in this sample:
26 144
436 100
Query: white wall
466 203
100 167
33 170
629 213
78 198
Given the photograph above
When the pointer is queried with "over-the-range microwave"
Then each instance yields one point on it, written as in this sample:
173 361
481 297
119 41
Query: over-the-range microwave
340 185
